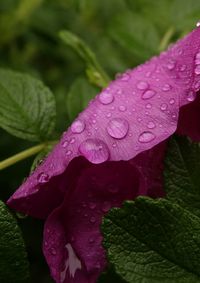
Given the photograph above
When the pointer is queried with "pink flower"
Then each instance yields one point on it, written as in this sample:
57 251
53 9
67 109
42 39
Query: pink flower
112 152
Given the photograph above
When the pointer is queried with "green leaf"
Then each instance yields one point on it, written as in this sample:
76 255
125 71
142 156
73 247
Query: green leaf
152 241
136 34
185 14
13 259
93 69
27 106
78 97
110 276
182 173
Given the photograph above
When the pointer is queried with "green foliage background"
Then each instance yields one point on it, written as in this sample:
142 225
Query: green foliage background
122 33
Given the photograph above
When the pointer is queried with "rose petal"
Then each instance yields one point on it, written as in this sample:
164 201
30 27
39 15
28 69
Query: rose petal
72 238
137 111
189 120
150 164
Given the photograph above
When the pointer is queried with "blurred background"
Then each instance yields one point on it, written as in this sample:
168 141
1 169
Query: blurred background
121 33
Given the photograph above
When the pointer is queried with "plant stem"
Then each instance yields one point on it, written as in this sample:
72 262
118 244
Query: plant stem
166 39
21 156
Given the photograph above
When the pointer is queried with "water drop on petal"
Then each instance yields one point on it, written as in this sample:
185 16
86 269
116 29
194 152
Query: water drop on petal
91 240
146 137
72 140
92 219
148 94
198 55
77 127
172 101
151 125
106 206
171 65
95 150
142 85
92 205
106 97
117 128
166 87
125 77
43 178
198 24
64 144
53 251
148 106
163 106
197 70
122 108
182 68
69 152
191 96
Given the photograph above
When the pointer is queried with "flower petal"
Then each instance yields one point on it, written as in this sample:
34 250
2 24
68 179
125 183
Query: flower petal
137 111
150 164
72 238
189 120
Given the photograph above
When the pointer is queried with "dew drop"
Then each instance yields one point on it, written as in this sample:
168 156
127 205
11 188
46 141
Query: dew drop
174 116
106 206
163 106
197 61
43 178
65 144
198 24
106 97
148 106
92 219
151 125
148 94
91 240
146 137
166 87
95 150
197 70
77 127
119 91
117 128
142 85
69 152
182 68
172 101
92 205
108 115
198 55
114 145
125 77
72 140
53 251
191 96
122 108
171 65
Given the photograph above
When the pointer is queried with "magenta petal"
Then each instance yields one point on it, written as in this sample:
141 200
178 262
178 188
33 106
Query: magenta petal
150 164
136 112
72 238
189 120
